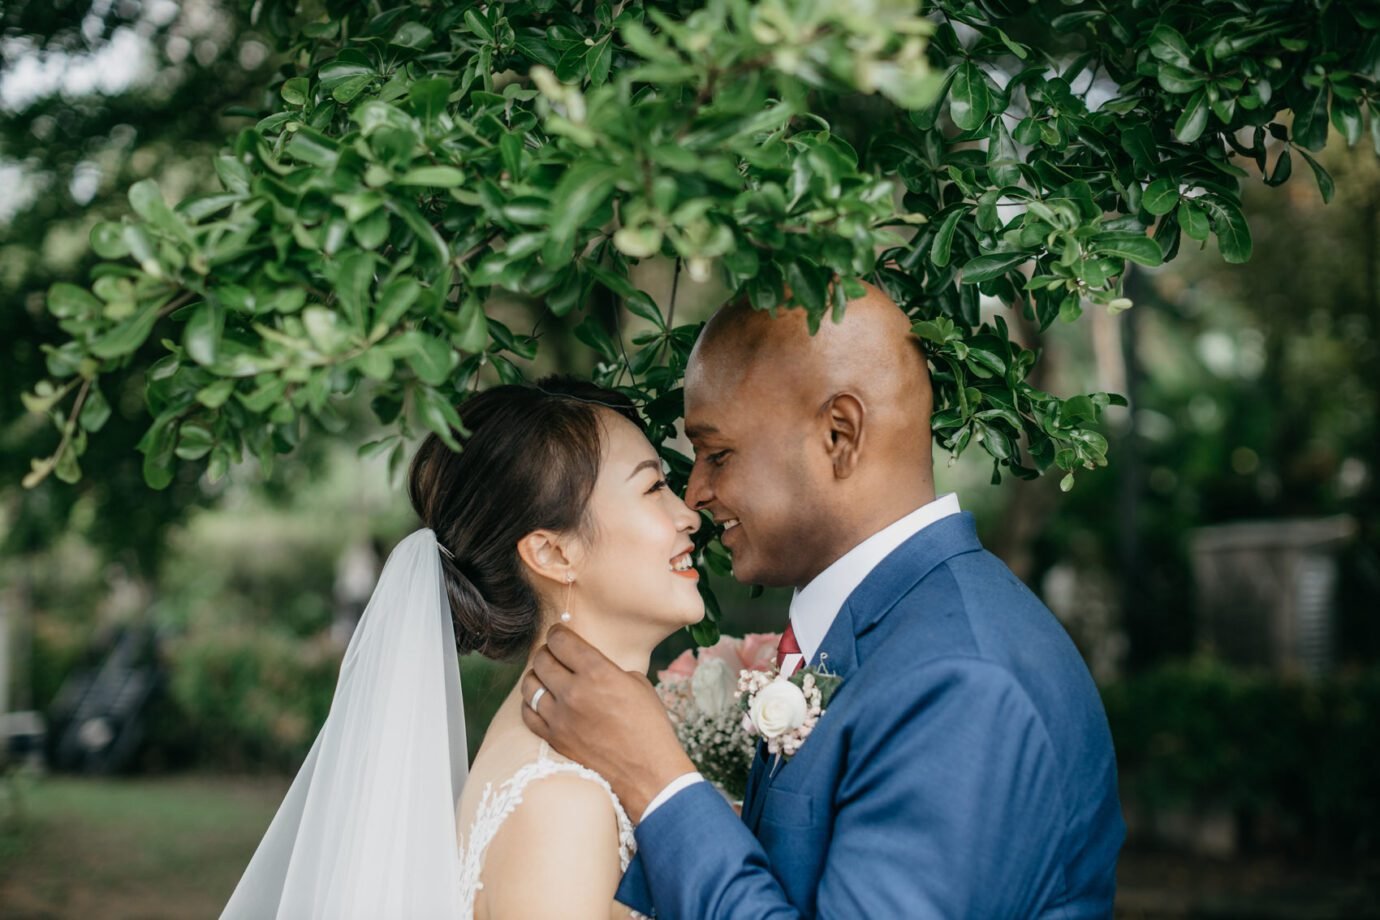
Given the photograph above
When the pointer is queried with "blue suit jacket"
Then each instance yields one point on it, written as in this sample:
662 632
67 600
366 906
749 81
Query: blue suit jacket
963 769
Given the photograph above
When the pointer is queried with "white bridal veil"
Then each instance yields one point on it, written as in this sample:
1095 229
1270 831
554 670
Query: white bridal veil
367 829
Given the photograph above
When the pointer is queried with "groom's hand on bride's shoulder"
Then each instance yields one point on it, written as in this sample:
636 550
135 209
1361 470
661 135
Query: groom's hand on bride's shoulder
601 716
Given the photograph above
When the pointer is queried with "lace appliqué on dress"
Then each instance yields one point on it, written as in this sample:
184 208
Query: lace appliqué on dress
495 805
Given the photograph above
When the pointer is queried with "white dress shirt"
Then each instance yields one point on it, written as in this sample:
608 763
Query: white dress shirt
815 606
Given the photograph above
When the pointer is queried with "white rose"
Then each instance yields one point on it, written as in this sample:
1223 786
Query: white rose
777 708
713 686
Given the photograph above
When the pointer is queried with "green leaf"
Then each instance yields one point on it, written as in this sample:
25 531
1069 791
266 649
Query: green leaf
473 335
67 301
969 100
1233 233
66 468
1325 185
637 301
1176 81
147 201
429 97
202 335
375 364
1002 158
944 237
598 59
95 411
158 446
476 24
436 176
439 416
295 91
1310 120
215 395
194 442
346 90
412 35
1284 167
107 241
349 65
1193 121
1139 142
324 329
1193 221
313 147
1166 44
1346 116
354 277
394 300
582 190
1137 247
128 335
992 265
1161 196
594 335
430 358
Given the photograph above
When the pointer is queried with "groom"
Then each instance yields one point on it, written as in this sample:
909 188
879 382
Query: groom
964 767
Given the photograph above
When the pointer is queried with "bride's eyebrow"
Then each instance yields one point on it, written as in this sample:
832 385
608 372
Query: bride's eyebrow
654 464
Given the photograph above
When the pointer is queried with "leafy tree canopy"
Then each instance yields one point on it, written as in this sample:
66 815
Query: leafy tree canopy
422 159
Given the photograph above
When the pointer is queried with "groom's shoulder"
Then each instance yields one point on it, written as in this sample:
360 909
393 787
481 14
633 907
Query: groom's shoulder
973 606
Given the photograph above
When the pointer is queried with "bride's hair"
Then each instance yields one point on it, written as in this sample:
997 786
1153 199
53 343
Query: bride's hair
530 461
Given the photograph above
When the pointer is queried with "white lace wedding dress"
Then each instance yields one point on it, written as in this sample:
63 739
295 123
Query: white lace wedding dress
496 804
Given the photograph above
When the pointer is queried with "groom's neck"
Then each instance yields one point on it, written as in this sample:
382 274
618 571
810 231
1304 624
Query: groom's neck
868 518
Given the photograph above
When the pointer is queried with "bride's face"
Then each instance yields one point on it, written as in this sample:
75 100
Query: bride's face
635 568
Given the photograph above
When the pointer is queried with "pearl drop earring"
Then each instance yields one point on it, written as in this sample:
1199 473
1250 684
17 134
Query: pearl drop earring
569 586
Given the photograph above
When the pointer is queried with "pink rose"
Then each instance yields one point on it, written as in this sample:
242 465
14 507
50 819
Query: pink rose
683 668
726 650
759 651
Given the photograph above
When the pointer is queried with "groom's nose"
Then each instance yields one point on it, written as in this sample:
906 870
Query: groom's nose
698 494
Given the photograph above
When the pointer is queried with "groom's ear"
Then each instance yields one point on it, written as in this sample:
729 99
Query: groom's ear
546 554
845 415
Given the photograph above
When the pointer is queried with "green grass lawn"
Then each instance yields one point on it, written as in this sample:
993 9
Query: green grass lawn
127 848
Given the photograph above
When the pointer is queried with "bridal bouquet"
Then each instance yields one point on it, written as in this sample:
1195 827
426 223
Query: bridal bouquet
700 691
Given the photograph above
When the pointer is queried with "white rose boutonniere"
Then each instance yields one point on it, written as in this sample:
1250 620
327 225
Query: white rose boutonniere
784 710
777 708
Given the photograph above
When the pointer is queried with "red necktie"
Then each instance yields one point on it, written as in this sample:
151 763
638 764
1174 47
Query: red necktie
788 645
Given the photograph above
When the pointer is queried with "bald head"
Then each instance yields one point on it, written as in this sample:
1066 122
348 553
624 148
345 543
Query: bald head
838 422
871 354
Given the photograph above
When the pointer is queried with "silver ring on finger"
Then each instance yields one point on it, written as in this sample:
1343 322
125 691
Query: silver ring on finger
536 698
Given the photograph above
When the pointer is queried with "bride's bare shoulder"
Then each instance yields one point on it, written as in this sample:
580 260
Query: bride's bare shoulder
565 833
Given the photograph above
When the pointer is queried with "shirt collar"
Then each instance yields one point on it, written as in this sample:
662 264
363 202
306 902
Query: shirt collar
814 607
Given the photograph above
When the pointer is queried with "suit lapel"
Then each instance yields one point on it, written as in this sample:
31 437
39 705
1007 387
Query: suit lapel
755 794
842 649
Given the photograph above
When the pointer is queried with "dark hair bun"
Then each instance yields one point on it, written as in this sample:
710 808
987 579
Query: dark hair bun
529 462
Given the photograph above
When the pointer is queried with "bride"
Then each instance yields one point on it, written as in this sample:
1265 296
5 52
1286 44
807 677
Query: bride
556 510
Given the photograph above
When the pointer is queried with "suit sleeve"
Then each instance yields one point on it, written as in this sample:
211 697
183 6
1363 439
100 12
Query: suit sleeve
949 806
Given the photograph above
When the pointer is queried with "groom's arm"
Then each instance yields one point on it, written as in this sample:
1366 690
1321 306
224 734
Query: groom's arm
949 807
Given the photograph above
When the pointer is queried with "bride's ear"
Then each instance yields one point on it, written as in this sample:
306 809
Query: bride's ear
548 554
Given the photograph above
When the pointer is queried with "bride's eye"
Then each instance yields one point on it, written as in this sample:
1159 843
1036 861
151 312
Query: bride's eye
657 486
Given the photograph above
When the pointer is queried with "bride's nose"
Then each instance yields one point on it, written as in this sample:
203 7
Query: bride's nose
689 519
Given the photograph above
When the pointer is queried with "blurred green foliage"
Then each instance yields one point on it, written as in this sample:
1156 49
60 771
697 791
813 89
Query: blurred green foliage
1294 757
1256 397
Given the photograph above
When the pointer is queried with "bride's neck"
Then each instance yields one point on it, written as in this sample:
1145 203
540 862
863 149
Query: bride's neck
629 654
